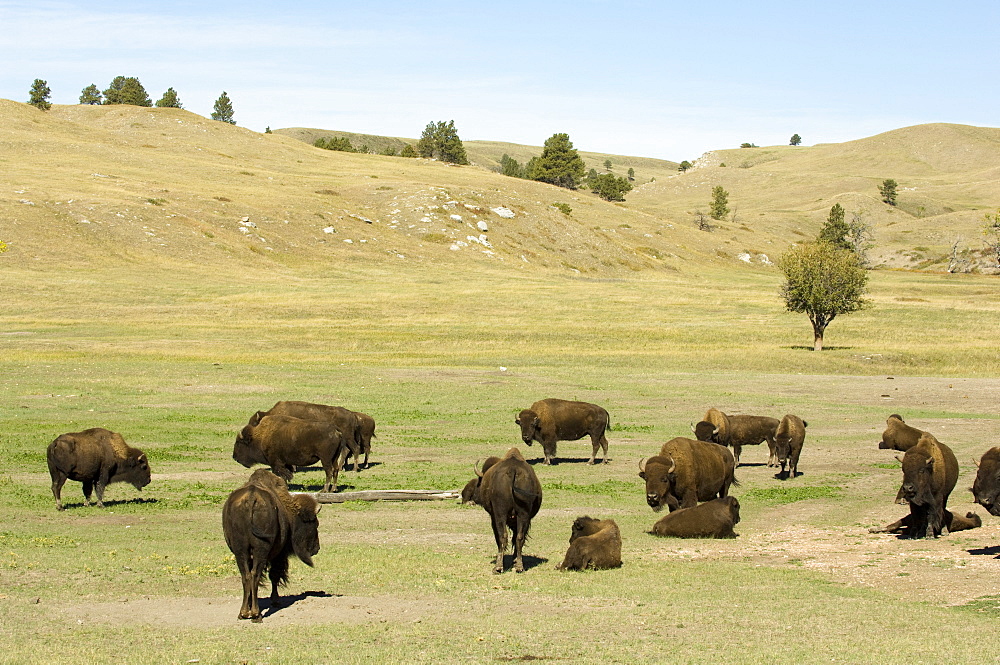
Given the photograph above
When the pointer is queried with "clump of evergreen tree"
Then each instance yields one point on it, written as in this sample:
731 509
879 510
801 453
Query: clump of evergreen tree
170 100
224 109
610 187
39 95
339 143
440 141
91 95
127 90
559 164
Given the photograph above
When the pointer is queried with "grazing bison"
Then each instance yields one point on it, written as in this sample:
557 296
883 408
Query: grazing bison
712 519
594 544
551 420
285 442
348 421
739 431
469 492
954 523
788 439
96 457
930 472
986 487
898 435
510 492
264 525
686 472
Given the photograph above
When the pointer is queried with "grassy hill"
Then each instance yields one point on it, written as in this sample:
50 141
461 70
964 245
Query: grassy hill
126 183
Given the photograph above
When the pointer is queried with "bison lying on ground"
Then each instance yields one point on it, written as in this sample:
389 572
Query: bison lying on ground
739 431
510 492
986 487
264 525
551 420
348 421
594 544
285 442
952 521
96 457
712 519
788 439
686 472
930 472
898 435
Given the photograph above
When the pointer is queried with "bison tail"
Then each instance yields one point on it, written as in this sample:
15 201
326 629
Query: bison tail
735 483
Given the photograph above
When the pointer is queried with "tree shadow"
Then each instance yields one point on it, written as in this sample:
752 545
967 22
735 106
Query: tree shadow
266 609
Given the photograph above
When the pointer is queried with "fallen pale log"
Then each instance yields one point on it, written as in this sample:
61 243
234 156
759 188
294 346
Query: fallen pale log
384 495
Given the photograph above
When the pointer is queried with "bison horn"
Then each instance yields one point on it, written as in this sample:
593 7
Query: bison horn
715 431
476 468
673 465
692 427
899 459
642 465
319 507
976 462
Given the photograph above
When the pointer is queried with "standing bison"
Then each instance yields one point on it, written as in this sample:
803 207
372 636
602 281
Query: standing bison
788 439
930 472
986 488
739 431
510 492
367 428
712 519
686 472
552 420
898 435
285 442
96 457
349 422
593 544
264 525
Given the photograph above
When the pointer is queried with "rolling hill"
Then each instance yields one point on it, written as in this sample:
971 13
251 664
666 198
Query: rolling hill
86 184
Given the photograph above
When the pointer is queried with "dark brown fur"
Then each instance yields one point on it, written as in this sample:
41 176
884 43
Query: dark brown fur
741 430
510 493
930 472
285 442
788 440
954 522
593 544
367 424
686 472
712 519
348 421
470 493
552 420
898 435
986 488
263 525
96 457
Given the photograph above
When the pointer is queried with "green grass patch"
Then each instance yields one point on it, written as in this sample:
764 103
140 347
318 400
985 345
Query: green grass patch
776 496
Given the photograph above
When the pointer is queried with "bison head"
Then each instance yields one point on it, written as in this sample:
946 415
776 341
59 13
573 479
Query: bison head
658 472
134 470
529 422
917 487
585 526
305 532
244 450
986 488
706 431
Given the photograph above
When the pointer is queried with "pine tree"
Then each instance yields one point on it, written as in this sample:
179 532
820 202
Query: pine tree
39 95
836 230
91 95
223 109
888 191
560 164
720 203
795 140
408 151
127 90
610 187
169 100
440 141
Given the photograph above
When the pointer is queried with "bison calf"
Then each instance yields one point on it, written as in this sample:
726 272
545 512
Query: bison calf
712 519
594 544
96 457
552 420
263 525
788 439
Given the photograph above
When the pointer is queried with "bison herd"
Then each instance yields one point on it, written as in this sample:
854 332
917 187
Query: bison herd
264 524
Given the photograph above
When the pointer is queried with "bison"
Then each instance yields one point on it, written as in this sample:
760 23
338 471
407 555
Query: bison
96 457
954 522
263 525
986 487
551 420
470 491
930 472
686 472
712 519
788 439
898 435
594 544
739 431
348 421
285 442
367 425
510 492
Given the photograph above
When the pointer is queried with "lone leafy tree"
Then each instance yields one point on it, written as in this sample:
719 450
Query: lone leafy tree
39 95
888 191
610 187
684 166
223 109
91 95
720 203
559 164
440 141
822 281
795 140
170 100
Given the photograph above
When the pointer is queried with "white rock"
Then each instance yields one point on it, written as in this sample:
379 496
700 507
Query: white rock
506 213
457 218
329 229
482 226
763 258
744 257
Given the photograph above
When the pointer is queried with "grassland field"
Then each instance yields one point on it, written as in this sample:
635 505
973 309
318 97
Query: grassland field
178 360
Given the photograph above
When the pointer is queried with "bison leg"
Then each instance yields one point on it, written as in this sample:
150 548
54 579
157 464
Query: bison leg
736 453
256 571
98 490
88 491
772 454
520 530
500 536
278 574
58 480
549 450
249 595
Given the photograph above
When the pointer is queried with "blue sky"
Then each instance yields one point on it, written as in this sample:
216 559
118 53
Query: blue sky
659 79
